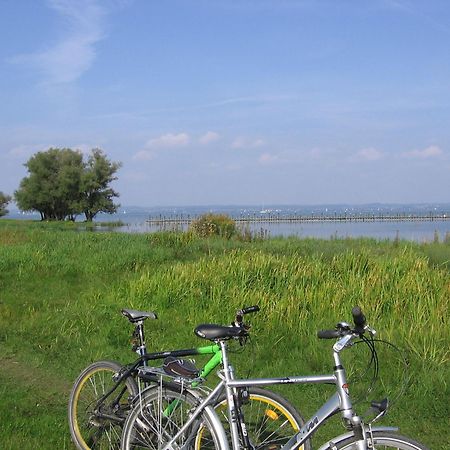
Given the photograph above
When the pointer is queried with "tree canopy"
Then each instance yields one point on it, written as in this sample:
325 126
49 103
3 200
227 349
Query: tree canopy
61 185
96 193
4 200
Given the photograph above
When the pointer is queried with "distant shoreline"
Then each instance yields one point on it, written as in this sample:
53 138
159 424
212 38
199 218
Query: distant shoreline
330 212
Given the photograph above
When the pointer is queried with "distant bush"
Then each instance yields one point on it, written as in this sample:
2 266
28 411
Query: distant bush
245 234
213 225
4 200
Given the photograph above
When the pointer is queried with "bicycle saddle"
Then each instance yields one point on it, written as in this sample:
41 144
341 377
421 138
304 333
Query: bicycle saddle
212 332
136 316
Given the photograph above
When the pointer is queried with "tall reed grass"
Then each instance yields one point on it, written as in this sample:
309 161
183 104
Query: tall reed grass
61 292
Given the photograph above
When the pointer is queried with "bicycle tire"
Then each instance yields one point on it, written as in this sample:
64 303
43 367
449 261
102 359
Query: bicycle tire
382 440
87 429
157 416
269 418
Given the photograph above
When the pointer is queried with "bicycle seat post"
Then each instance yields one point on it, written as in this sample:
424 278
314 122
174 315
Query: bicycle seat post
137 318
140 347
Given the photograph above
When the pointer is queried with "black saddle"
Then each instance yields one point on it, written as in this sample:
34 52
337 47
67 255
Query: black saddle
137 316
214 332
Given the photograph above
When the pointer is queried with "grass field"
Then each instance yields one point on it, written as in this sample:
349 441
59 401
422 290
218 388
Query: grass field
61 292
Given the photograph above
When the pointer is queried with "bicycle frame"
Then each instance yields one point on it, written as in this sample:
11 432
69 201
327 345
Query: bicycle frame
340 401
212 363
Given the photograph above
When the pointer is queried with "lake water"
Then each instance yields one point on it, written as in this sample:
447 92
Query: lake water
413 231
135 220
419 231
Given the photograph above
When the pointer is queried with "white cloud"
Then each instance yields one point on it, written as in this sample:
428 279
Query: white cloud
209 137
267 158
369 154
165 141
25 151
143 155
242 142
66 60
85 149
169 140
432 151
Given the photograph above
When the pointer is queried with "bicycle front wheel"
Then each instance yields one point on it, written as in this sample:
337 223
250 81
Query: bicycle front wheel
381 440
94 424
159 414
270 420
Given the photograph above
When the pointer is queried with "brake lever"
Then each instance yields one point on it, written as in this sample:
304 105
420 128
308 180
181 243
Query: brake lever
343 326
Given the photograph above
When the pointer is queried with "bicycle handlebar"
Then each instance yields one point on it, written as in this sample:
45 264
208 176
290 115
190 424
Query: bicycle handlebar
250 309
328 334
238 321
358 317
343 329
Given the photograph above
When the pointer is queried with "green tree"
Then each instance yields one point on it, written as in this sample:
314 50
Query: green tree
96 193
53 185
61 185
4 200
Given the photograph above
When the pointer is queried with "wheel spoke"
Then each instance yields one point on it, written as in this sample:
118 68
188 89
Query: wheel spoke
89 429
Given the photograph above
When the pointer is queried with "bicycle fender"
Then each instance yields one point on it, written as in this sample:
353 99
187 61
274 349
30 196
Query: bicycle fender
215 421
344 436
217 424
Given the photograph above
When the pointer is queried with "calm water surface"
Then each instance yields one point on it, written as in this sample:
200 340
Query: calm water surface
135 220
412 231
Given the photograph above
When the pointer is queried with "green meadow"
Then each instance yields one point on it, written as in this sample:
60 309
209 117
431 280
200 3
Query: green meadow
61 292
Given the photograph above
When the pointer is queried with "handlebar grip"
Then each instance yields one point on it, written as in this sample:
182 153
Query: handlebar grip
328 334
250 309
359 318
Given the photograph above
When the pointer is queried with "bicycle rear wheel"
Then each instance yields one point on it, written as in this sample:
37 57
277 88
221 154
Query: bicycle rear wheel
159 414
382 441
93 424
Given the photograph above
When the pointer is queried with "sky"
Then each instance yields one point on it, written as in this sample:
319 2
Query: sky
234 102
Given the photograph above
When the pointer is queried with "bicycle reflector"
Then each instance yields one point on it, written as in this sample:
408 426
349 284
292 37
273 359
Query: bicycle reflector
271 414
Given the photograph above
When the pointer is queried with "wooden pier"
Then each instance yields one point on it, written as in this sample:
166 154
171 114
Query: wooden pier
298 218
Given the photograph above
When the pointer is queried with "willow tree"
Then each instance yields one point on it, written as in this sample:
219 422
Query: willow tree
61 185
53 185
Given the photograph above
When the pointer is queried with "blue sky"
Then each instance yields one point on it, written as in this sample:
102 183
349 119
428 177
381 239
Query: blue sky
234 102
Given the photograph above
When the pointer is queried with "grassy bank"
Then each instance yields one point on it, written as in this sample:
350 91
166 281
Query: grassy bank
61 292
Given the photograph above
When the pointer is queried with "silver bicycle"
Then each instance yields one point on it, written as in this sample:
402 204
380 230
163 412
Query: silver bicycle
175 416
